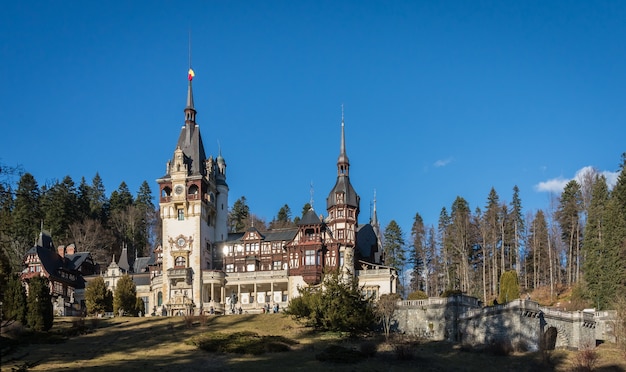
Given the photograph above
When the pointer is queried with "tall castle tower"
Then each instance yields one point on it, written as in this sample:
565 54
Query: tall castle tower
342 205
194 212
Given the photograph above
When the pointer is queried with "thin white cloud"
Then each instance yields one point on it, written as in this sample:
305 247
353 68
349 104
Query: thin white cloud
556 185
442 162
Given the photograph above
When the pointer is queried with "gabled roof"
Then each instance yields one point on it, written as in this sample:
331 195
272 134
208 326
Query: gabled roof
310 218
268 236
74 261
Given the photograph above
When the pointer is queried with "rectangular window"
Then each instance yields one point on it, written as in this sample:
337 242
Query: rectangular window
309 258
277 265
340 234
250 267
340 259
181 214
230 268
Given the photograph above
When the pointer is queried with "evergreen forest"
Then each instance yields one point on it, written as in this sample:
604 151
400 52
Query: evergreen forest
578 242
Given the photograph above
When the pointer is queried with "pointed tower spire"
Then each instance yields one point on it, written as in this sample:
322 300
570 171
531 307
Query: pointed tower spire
190 111
343 164
374 214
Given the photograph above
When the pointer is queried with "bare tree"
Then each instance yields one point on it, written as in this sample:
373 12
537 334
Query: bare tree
385 309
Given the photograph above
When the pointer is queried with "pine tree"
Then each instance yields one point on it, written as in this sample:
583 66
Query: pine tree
459 240
98 202
125 296
283 218
40 313
517 221
58 205
418 253
594 244
95 296
7 236
393 246
14 300
239 214
121 198
26 214
394 249
615 237
568 217
537 258
147 219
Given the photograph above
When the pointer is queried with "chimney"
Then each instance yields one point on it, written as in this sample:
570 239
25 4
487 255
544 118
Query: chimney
71 249
61 250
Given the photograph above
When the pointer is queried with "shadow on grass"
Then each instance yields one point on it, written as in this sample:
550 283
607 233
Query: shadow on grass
175 343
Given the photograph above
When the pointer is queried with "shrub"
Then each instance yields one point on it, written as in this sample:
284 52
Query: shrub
451 292
417 295
586 359
337 306
241 343
509 287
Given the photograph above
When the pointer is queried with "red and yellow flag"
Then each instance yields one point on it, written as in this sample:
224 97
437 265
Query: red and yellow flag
191 74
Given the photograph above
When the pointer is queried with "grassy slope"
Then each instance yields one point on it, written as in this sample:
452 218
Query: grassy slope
137 344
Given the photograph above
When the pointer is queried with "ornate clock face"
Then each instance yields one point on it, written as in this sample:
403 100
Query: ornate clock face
181 242
178 190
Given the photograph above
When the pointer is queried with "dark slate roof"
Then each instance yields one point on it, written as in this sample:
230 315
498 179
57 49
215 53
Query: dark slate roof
74 261
141 264
269 236
310 218
190 141
366 240
281 234
123 262
344 186
141 279
45 241
234 237
53 263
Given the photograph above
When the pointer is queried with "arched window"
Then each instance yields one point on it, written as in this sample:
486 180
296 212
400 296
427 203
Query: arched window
179 262
159 299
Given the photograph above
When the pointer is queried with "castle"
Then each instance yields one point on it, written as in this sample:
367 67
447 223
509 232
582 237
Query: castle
201 267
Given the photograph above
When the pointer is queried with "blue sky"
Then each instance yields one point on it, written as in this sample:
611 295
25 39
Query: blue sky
442 99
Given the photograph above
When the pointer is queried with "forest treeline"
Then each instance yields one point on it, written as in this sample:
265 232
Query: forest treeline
80 214
579 240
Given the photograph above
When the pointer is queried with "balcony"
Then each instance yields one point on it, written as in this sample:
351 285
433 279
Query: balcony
180 274
276 275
